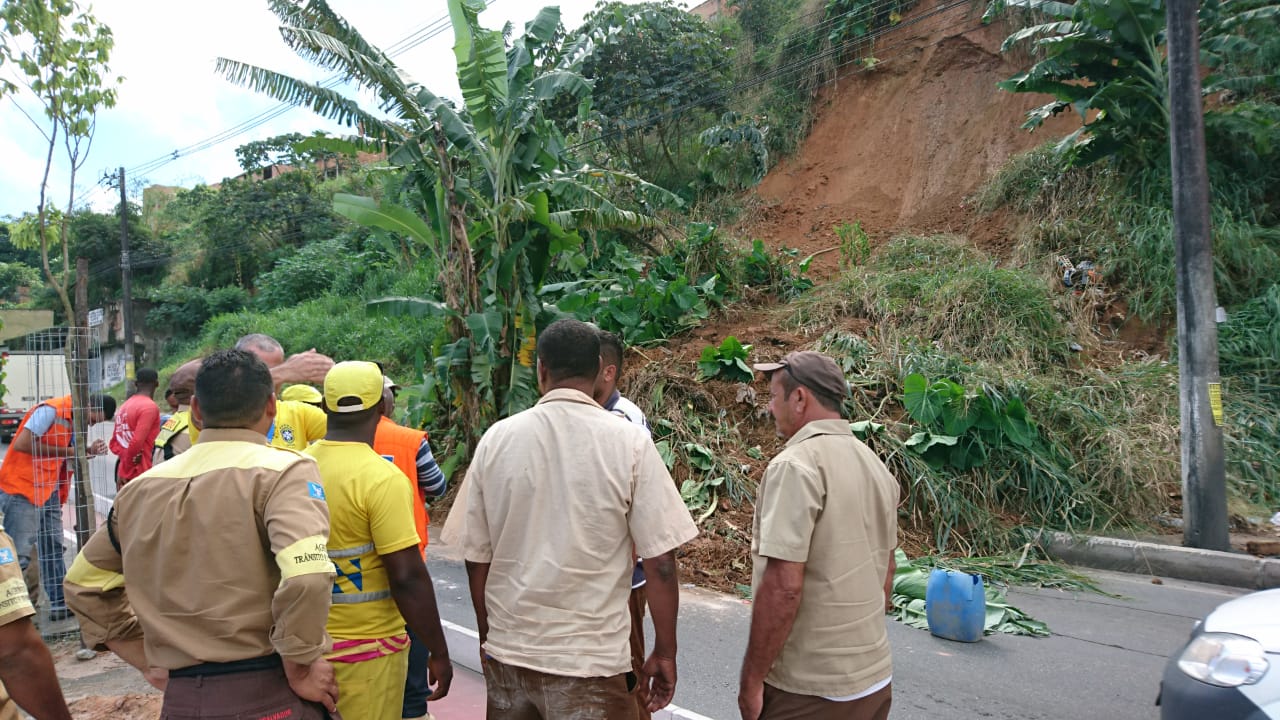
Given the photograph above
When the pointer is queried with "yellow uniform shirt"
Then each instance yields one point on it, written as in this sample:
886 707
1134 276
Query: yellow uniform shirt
370 514
296 426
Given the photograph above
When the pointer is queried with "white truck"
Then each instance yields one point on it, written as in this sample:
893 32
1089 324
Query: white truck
29 379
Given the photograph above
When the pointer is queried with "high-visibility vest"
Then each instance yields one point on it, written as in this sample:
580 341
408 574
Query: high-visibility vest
401 445
175 425
35 476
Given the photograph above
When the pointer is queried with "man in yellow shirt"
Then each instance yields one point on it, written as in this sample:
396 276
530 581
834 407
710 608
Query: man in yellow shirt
382 582
297 424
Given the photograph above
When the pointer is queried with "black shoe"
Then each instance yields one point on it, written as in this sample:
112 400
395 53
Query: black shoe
59 615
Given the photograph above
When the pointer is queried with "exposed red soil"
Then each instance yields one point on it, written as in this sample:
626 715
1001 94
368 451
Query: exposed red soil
900 147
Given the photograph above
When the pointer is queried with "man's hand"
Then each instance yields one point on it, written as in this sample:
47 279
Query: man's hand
314 682
440 674
305 367
98 447
751 700
157 677
660 672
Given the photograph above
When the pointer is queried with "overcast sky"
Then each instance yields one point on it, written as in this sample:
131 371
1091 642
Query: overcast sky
171 98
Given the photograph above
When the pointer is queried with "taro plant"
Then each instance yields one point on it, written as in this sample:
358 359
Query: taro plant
701 491
961 427
727 362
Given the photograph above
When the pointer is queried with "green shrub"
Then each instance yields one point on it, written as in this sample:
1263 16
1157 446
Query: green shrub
333 325
945 290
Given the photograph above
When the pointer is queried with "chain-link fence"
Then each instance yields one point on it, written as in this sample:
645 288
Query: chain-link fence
55 379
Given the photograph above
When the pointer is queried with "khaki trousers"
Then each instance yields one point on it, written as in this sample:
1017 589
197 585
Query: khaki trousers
516 693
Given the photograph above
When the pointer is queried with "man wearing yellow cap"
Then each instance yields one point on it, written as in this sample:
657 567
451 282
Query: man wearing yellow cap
303 394
382 583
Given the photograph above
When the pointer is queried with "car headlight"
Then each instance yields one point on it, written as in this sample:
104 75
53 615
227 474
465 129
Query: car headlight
1224 659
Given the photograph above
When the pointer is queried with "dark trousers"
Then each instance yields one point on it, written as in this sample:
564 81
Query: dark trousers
782 705
253 695
416 689
516 693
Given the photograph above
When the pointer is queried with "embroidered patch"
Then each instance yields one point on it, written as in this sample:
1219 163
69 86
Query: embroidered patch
315 490
286 434
6 556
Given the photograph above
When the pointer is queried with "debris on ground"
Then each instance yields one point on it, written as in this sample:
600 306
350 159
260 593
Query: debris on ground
117 707
910 582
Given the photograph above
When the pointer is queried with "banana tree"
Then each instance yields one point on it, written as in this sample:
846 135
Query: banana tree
488 187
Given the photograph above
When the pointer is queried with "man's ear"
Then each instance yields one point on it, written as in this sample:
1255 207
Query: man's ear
197 417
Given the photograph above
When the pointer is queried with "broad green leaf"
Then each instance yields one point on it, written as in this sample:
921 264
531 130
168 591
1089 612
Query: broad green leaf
394 218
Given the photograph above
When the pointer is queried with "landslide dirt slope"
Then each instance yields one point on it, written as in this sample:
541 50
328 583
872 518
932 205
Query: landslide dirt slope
900 147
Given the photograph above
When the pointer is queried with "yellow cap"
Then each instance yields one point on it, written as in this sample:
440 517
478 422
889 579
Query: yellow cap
356 382
302 393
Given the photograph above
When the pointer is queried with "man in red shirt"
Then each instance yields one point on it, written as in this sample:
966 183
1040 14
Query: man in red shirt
137 425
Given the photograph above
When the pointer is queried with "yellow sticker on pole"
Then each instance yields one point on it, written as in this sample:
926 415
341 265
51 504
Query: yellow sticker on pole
1215 402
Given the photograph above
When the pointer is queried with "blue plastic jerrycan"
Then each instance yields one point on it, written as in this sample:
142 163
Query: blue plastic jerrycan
955 605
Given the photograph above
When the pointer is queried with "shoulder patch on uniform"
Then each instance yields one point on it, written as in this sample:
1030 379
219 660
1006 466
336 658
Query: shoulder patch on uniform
6 556
315 490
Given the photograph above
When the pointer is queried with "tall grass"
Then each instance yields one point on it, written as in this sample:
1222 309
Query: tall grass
946 292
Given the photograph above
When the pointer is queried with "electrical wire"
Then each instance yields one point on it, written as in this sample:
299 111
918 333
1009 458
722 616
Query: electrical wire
105 267
415 39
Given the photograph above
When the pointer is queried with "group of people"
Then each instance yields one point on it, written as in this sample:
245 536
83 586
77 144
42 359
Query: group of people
293 584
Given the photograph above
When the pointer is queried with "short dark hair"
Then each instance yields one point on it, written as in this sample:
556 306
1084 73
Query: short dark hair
105 402
233 387
611 349
789 385
147 376
570 348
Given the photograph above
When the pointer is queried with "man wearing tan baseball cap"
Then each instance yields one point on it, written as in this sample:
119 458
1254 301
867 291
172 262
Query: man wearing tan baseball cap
824 533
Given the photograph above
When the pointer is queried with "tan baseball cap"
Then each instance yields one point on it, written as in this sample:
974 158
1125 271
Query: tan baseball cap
812 369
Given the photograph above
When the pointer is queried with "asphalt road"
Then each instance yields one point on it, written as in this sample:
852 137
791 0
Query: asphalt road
1103 662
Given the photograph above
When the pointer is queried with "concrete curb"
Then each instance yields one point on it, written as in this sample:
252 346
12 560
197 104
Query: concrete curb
1132 556
464 649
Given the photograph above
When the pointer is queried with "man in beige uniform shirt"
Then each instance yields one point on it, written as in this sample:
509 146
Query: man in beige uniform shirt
25 664
825 530
228 579
556 496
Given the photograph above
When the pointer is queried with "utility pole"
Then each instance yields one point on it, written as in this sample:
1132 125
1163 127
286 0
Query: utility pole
1204 487
126 282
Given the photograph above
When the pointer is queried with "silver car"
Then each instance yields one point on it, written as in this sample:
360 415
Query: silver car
1230 668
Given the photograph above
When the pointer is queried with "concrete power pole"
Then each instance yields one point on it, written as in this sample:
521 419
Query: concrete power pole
1204 491
126 282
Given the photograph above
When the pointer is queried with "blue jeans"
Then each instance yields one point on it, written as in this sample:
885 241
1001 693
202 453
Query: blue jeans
39 527
416 689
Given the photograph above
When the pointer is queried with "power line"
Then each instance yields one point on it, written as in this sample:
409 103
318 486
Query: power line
411 41
103 267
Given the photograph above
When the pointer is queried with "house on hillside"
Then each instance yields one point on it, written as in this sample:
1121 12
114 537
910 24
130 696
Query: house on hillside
710 9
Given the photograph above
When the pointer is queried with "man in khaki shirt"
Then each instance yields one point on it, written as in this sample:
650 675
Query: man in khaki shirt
556 496
824 533
229 579
26 668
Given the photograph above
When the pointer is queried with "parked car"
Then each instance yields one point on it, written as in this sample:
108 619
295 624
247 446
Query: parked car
1230 667
10 418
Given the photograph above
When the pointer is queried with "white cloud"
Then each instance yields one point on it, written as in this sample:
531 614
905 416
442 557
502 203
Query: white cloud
172 98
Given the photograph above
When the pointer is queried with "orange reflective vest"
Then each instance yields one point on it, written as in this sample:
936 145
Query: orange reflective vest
37 476
401 444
